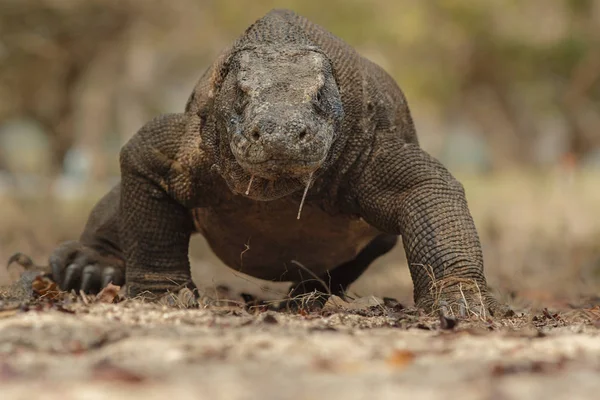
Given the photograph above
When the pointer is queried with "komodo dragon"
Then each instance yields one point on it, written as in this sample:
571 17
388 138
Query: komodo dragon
294 153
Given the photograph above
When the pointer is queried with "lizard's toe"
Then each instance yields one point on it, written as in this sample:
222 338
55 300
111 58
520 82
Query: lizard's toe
186 297
77 267
72 277
112 274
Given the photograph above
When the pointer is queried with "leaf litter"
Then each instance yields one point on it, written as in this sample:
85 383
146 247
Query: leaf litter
343 337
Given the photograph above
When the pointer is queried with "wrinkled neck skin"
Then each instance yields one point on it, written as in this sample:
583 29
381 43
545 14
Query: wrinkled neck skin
277 116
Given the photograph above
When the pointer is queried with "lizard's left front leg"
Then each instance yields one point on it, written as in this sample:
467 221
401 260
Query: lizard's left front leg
402 190
161 168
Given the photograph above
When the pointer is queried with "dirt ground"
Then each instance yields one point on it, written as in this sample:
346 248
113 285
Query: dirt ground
541 239
353 351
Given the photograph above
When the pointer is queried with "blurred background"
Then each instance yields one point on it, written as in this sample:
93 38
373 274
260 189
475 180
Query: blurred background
505 92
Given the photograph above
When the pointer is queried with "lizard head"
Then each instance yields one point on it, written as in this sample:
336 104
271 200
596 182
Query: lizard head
277 115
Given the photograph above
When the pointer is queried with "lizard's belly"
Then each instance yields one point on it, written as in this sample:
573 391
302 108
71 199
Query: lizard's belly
267 241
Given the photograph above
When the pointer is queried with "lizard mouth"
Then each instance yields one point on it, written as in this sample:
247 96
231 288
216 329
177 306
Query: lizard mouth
275 169
268 186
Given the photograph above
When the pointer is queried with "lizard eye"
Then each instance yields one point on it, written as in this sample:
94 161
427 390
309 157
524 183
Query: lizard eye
240 104
320 97
318 102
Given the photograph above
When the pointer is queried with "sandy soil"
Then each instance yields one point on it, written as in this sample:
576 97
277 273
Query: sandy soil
359 350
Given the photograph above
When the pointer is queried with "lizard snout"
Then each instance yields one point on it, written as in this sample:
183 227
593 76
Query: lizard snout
269 132
282 145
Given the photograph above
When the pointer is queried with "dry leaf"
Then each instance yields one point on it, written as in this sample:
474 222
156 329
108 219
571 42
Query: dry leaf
401 358
335 303
109 295
8 313
270 319
529 367
113 373
44 287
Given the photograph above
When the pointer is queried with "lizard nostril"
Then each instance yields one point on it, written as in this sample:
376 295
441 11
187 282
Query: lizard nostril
302 134
255 134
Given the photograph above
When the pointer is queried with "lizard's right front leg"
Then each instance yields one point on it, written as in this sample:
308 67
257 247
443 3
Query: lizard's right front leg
139 232
155 232
161 175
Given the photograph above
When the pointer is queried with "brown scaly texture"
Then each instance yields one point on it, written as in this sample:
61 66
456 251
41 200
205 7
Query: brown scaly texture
181 174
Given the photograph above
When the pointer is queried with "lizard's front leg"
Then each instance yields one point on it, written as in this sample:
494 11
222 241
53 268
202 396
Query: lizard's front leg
402 190
161 179
155 231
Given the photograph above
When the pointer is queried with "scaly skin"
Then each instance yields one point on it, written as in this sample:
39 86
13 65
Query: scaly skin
287 109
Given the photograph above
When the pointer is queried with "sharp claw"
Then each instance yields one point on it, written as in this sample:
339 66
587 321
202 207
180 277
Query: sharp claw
55 271
72 275
21 259
87 278
108 276
188 297
118 278
444 308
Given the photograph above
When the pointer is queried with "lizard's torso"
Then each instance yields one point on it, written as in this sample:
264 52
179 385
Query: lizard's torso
266 240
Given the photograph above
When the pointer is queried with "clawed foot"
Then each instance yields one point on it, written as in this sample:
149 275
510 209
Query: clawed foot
183 298
463 299
185 295
80 268
75 266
